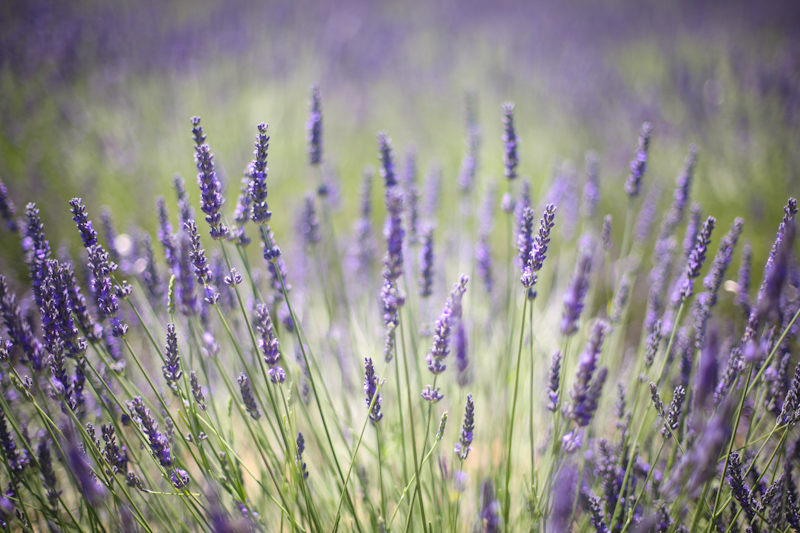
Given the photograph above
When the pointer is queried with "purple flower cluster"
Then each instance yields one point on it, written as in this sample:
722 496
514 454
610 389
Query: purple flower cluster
159 443
258 178
211 199
576 292
510 157
314 128
371 387
588 385
633 184
268 344
464 444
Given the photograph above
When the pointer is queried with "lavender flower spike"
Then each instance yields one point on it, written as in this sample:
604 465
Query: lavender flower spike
697 257
633 185
573 298
314 128
464 444
259 210
740 489
426 263
7 209
247 397
268 344
587 387
371 385
159 443
387 163
301 447
510 159
309 223
538 251
172 368
211 199
554 382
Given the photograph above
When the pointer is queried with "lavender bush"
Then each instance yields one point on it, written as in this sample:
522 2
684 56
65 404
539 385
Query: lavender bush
603 389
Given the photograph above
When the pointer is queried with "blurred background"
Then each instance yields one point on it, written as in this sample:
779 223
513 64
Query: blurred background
96 97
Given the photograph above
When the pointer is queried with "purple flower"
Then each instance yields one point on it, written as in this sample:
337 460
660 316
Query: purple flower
596 515
426 263
464 444
525 236
462 361
148 273
76 462
576 292
788 214
88 234
647 215
314 128
258 178
538 251
411 195
697 257
188 302
605 235
17 327
247 397
364 234
301 446
633 184
165 235
588 386
45 461
672 416
268 344
680 198
591 189
116 457
722 260
197 390
564 487
371 386
740 489
490 508
17 460
432 192
211 199
510 159
198 255
7 210
394 233
179 478
554 381
663 255
653 342
309 223
742 297
159 443
387 163
172 368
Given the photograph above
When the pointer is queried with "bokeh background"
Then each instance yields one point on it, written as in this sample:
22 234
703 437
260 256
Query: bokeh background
96 96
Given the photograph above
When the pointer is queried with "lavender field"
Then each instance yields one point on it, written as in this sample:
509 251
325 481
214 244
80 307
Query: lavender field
445 266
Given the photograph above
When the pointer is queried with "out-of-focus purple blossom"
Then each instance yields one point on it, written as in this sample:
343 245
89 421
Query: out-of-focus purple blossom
110 234
733 367
564 487
211 199
76 462
258 178
653 342
633 184
572 441
78 304
696 258
148 272
464 444
387 162
722 260
510 158
268 344
241 215
172 367
364 241
576 292
394 233
708 371
663 255
680 198
483 250
591 189
620 299
410 195
523 202
314 128
7 209
775 275
432 192
605 235
247 397
743 279
426 262
596 515
275 265
165 235
185 211
554 382
588 386
185 279
179 478
692 230
45 461
791 403
371 387
309 223
647 215
17 328
461 357
508 204
490 509
789 211
469 162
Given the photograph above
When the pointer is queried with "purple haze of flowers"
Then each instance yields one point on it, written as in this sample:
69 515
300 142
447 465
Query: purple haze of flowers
314 128
510 158
464 444
576 292
633 184
469 163
268 344
371 386
211 199
7 209
588 386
